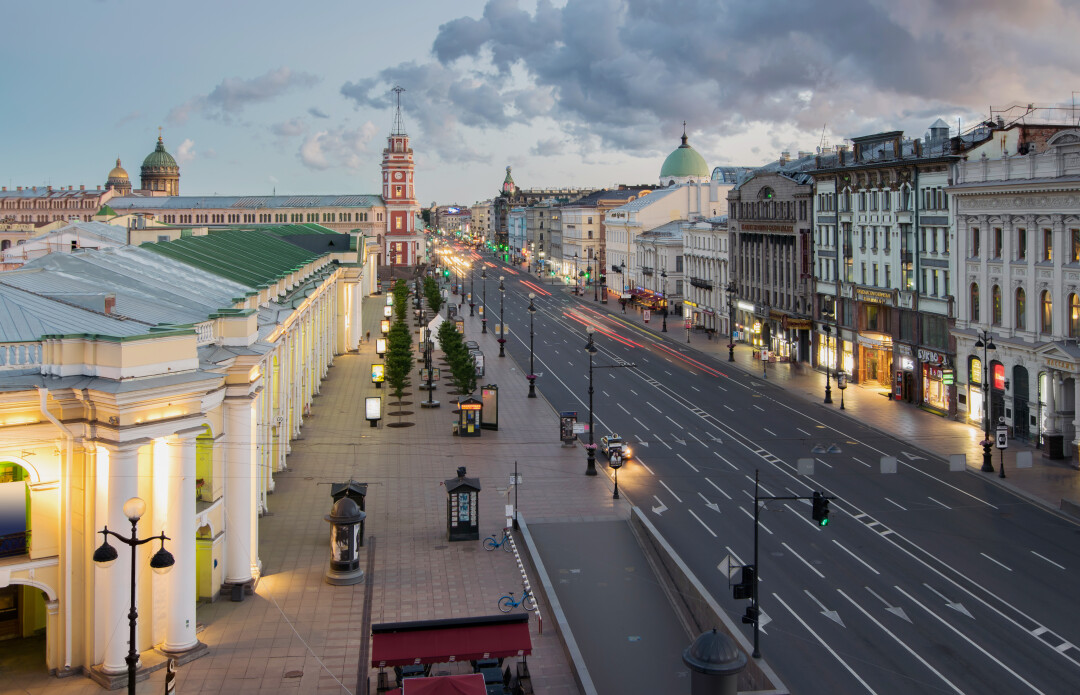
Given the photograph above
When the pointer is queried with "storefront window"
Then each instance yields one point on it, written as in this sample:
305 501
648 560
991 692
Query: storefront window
935 393
975 393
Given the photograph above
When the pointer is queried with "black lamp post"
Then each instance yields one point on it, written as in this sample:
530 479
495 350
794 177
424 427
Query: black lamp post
502 324
590 347
483 278
532 373
593 280
615 464
106 555
826 315
731 290
663 278
577 279
622 277
419 310
472 291
986 342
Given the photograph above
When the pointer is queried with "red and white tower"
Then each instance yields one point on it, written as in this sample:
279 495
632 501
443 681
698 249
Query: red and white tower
401 241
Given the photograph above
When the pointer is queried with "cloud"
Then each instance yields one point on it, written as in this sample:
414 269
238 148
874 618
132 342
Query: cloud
186 152
134 115
317 112
290 128
549 147
234 93
624 74
338 148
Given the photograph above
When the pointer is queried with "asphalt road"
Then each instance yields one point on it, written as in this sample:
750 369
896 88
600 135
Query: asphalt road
924 581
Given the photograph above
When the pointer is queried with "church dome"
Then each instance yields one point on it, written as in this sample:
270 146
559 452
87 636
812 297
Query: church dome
683 165
159 158
118 173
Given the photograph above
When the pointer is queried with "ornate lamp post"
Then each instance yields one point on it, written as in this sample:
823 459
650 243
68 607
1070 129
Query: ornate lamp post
532 373
590 347
731 289
483 278
502 324
106 555
986 342
663 278
593 280
577 280
826 315
472 291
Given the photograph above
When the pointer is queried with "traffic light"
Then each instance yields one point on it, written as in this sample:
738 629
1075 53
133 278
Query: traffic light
751 615
821 509
745 588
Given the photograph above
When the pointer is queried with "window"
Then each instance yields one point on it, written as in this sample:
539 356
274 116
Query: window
975 301
1074 315
1021 244
873 200
1074 246
1048 245
888 275
995 309
1046 313
862 201
905 198
1021 309
875 275
886 200
997 242
975 239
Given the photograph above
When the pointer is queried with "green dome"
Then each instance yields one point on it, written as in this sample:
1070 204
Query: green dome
159 157
683 162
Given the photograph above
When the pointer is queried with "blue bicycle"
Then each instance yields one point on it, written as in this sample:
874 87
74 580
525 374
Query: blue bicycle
490 543
527 602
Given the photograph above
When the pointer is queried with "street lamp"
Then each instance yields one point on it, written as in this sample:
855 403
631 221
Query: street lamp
622 277
419 309
826 315
615 463
532 374
576 278
593 280
663 278
986 342
106 555
502 325
472 291
731 290
590 347
483 278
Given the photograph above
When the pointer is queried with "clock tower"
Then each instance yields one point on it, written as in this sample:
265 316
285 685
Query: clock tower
402 242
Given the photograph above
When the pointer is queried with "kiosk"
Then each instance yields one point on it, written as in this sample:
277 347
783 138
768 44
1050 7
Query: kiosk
462 510
470 414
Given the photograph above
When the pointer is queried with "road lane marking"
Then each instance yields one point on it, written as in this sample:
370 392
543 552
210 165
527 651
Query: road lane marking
633 392
721 491
803 431
905 509
865 564
1048 560
640 423
941 503
702 522
692 466
653 407
901 642
769 431
759 407
670 490
675 423
824 643
763 526
661 441
643 465
860 461
729 407
696 389
824 463
698 440
996 562
964 637
792 551
606 394
623 409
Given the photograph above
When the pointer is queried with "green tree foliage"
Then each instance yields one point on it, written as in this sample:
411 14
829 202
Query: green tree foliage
401 300
432 294
462 364
399 355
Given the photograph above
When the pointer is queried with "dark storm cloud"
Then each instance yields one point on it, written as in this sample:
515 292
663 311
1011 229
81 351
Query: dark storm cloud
625 71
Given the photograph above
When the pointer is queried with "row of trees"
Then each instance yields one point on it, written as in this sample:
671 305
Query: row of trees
399 355
462 364
432 294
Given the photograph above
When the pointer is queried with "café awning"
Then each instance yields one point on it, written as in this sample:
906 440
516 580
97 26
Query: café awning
452 639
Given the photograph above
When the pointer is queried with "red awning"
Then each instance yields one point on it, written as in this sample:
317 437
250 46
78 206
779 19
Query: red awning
466 684
438 642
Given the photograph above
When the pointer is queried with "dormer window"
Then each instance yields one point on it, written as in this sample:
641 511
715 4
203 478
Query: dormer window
766 194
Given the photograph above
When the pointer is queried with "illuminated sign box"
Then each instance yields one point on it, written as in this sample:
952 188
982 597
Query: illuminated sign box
380 345
373 409
384 326
378 373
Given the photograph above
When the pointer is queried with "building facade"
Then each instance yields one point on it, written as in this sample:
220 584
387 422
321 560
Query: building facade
660 260
402 239
705 253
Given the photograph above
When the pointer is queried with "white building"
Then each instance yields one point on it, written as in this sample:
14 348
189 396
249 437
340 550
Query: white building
660 261
705 255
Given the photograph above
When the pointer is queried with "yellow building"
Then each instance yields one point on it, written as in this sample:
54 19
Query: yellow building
177 372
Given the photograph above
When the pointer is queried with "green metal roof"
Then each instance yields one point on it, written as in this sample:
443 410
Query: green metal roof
159 157
106 210
684 161
284 229
249 257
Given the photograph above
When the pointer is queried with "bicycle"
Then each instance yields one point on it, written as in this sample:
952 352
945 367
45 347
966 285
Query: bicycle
527 602
490 543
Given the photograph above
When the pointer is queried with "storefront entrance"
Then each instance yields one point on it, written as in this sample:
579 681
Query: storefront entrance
875 365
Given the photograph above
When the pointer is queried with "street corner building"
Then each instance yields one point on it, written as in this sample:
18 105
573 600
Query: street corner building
176 371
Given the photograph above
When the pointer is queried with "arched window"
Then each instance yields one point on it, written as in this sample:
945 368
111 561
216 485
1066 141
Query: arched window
995 309
975 301
1074 315
1021 309
1046 313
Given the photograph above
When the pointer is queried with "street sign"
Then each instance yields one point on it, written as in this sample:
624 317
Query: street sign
648 314
1002 437
580 428
687 323
515 479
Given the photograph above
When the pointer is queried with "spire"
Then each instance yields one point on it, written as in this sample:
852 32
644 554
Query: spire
684 135
399 122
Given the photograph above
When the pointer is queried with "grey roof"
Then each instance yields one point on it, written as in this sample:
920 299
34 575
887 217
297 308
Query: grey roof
251 202
111 232
592 199
26 316
645 200
44 192
729 174
939 123
667 231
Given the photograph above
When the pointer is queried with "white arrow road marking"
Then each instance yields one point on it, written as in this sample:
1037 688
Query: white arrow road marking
729 496
824 644
800 557
763 619
623 409
933 614
692 466
661 440
641 441
716 439
711 505
897 639
675 423
1040 557
996 562
701 522
956 606
681 442
913 457
831 615
865 564
895 610
677 498
658 510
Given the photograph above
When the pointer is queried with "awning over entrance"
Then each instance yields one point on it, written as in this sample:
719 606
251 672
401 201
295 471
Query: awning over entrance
467 684
453 639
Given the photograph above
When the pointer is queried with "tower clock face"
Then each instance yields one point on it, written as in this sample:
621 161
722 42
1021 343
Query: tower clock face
398 175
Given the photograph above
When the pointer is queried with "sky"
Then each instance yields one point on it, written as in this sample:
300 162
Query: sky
262 96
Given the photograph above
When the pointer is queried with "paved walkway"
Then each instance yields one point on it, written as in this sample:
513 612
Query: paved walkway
1047 482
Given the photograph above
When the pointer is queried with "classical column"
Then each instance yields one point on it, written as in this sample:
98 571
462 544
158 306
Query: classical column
239 488
116 580
1051 402
1076 417
180 528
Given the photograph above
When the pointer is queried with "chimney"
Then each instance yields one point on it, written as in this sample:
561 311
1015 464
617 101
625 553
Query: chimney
19 188
82 187
461 472
803 154
817 161
110 303
785 156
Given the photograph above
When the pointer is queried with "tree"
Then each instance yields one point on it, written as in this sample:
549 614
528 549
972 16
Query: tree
401 300
399 358
462 363
432 294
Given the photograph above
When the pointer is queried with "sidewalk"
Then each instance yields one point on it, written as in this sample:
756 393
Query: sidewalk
1047 482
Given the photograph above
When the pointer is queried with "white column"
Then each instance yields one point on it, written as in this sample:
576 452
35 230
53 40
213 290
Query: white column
180 528
239 488
123 485
1059 397
1051 402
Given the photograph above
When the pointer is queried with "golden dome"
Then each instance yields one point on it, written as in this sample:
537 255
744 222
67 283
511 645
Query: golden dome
118 172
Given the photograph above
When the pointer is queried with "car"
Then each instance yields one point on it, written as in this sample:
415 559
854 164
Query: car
613 445
472 345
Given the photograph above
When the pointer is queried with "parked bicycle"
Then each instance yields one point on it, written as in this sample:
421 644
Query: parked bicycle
490 543
527 602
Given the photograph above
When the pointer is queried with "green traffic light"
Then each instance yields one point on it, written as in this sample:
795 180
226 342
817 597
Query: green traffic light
824 522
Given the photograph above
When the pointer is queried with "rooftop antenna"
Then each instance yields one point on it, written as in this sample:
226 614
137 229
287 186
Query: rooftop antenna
824 142
399 122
